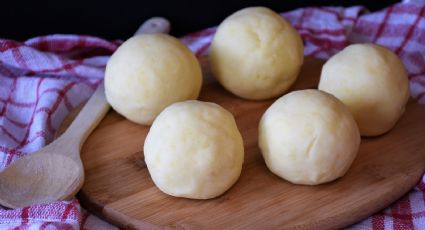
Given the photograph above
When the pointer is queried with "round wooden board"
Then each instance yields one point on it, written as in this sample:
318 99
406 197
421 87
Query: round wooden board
119 189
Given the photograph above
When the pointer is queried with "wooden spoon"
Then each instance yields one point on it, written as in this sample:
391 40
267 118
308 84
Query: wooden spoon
56 171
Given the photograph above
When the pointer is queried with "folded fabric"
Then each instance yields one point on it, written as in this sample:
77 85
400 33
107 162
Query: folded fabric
44 78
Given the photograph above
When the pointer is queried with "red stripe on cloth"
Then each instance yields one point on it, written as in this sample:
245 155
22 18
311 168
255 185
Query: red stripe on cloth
413 215
378 222
44 225
416 58
420 81
383 24
25 215
62 95
202 49
97 82
9 97
334 12
68 43
421 185
402 208
15 122
324 42
81 41
71 70
67 103
51 90
17 103
47 43
84 220
402 214
6 72
5 131
202 33
37 135
391 31
419 96
8 44
31 104
416 75
19 58
60 226
17 55
43 44
336 32
10 154
68 209
409 34
62 68
10 150
43 109
27 131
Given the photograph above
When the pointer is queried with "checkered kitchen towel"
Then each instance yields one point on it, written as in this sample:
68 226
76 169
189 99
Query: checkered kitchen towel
44 78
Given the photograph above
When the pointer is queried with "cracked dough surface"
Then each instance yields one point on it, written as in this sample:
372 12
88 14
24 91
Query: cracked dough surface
308 137
194 150
147 73
372 81
256 54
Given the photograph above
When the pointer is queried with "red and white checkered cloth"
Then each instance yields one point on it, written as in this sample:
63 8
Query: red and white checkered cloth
44 78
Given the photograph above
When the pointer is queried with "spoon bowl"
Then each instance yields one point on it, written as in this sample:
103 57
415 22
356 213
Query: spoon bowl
67 177
55 172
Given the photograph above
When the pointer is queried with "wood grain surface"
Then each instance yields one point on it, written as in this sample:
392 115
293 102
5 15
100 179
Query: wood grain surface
119 189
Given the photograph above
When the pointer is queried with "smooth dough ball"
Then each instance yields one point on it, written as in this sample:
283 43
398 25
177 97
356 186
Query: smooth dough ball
256 54
372 82
194 150
147 73
308 137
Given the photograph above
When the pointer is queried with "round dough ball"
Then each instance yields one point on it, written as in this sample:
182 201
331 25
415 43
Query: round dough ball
194 150
372 82
147 73
256 54
308 137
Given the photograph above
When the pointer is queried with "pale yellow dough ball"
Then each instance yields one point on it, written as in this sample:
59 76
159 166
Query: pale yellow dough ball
194 150
149 72
372 81
308 137
256 54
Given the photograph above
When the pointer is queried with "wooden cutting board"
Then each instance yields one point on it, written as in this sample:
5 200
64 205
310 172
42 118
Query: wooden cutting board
119 189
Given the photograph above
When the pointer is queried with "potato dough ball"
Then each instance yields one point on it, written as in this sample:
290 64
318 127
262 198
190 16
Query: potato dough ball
147 73
372 82
256 54
308 137
194 150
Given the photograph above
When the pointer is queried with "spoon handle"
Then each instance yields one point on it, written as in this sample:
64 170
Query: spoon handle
154 25
89 117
